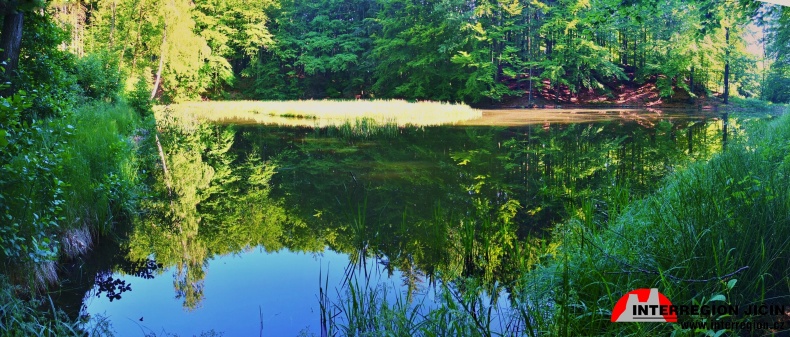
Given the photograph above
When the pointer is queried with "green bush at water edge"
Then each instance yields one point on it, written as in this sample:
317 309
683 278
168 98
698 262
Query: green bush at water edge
63 180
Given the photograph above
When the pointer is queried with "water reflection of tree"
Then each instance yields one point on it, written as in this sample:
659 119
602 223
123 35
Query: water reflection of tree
448 202
468 201
219 204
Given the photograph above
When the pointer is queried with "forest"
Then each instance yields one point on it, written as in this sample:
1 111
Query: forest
449 50
86 139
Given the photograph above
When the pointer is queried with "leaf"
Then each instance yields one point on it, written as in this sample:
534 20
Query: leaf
718 297
3 140
717 333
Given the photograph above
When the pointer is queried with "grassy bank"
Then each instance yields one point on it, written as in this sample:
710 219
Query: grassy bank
64 181
715 232
748 105
714 222
326 113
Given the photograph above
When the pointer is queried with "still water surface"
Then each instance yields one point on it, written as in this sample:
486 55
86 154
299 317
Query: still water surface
257 220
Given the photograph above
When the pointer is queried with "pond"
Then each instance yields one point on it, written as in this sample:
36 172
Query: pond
256 229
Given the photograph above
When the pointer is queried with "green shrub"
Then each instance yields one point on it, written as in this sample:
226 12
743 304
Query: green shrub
751 103
98 76
60 178
776 87
31 190
139 98
46 71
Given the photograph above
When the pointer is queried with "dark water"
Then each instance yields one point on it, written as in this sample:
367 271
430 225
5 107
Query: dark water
257 220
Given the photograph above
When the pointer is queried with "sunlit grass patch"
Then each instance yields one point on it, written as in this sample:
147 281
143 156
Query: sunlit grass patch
326 113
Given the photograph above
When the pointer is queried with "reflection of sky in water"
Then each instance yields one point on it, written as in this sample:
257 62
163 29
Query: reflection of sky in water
283 286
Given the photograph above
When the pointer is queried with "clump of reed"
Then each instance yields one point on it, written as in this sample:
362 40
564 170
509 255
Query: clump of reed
708 224
459 308
360 128
323 113
40 317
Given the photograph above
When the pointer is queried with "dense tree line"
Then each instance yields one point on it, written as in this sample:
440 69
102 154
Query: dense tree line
444 50
461 50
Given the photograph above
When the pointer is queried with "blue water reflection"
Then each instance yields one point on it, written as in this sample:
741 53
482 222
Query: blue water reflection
245 293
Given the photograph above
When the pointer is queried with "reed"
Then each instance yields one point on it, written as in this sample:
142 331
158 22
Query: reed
326 113
708 224
37 317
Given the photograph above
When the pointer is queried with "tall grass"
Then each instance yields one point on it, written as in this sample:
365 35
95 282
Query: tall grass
459 308
326 113
708 225
725 219
101 167
39 317
360 128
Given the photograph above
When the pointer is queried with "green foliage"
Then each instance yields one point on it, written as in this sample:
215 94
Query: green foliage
236 31
98 76
46 72
776 87
32 190
321 55
446 50
414 48
777 84
139 98
62 174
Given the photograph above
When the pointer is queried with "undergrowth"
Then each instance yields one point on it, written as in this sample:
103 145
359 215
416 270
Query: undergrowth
64 181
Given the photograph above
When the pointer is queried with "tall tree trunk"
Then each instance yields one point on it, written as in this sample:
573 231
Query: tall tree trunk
691 81
161 62
624 56
727 66
530 85
139 34
11 39
112 28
